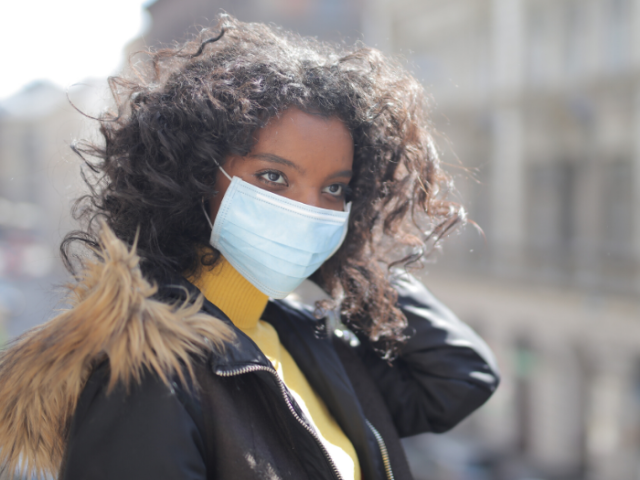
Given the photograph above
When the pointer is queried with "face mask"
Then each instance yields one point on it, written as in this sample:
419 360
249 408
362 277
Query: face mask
274 242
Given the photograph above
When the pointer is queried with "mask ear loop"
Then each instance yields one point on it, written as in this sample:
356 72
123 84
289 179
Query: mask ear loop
202 202
222 170
204 210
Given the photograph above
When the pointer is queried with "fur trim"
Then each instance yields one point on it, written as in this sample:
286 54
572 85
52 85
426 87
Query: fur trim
113 316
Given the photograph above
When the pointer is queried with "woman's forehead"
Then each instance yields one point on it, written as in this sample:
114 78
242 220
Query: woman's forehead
305 139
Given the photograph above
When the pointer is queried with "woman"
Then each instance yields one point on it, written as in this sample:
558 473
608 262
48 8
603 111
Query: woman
237 166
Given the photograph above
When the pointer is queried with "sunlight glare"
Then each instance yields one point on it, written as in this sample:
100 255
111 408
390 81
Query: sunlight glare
65 41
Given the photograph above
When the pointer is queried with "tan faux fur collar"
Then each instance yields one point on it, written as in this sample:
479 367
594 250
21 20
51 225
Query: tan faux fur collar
113 316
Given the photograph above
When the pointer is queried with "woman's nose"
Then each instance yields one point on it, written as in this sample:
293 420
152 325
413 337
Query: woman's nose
309 196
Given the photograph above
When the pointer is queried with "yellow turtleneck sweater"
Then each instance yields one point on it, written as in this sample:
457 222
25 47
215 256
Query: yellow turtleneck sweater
243 303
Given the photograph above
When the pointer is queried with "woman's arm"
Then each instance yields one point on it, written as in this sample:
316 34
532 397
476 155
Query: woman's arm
144 434
442 374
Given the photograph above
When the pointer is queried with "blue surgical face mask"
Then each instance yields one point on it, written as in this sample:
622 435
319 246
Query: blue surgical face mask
274 242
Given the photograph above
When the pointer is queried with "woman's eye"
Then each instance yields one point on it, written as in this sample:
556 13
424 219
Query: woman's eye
273 177
337 190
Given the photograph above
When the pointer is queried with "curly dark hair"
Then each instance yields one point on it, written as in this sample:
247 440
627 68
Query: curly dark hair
187 108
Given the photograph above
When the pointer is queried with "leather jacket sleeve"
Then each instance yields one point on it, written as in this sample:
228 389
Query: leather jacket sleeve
442 374
145 434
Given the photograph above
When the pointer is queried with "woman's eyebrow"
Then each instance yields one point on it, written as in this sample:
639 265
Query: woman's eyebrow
271 157
343 173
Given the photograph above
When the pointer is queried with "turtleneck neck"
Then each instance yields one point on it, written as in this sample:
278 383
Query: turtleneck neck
228 290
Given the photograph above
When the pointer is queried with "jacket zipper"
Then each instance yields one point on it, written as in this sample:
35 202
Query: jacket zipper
283 390
383 451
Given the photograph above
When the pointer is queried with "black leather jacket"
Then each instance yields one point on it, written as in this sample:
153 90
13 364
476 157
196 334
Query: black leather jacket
244 424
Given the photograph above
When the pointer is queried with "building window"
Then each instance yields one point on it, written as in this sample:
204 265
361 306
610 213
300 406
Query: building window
525 365
576 35
538 36
618 210
617 34
550 212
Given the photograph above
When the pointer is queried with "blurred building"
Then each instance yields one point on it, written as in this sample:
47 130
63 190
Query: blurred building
538 102
173 21
39 177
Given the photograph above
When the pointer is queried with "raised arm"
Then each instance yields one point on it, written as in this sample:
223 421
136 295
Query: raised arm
443 373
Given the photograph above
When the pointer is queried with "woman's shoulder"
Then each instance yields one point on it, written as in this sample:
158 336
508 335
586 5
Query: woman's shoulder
114 313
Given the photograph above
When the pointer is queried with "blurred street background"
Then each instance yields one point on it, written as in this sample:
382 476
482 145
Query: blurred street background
537 105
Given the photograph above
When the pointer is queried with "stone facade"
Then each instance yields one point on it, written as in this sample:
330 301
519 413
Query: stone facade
538 104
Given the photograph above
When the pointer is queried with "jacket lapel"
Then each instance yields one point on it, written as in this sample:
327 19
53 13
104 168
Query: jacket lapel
316 357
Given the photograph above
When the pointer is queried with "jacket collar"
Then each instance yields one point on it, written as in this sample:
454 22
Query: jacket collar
237 354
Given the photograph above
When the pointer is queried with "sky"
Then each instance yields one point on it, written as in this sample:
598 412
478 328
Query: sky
65 41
